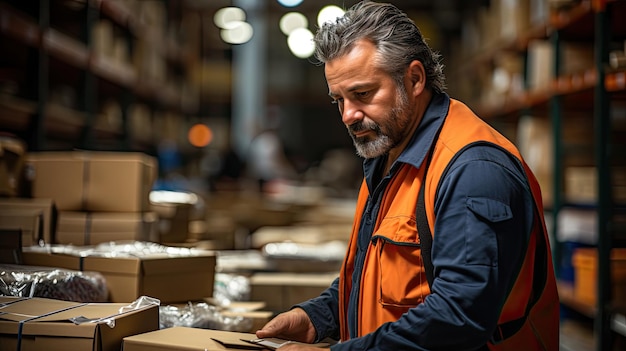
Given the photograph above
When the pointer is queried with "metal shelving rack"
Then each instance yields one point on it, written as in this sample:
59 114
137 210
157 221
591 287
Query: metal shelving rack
602 124
61 50
607 320
593 23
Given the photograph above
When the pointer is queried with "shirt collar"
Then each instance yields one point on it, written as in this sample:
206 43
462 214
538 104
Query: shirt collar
422 139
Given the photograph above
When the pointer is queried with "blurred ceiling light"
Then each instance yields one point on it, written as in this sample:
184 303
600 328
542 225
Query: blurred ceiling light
329 13
291 21
290 3
300 42
224 16
238 32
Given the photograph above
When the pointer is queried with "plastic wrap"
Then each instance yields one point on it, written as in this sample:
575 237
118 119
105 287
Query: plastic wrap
121 249
231 287
201 315
141 303
52 283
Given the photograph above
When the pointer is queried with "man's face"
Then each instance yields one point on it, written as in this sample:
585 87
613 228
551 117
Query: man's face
375 110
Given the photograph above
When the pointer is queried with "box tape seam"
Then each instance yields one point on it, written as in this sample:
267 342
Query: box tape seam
21 326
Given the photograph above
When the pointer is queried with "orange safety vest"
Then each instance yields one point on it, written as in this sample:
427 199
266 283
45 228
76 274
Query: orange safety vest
393 280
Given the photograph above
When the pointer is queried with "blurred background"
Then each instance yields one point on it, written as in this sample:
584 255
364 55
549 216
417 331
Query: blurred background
175 80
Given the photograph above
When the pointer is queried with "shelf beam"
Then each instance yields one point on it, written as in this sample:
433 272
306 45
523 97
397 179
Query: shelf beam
602 325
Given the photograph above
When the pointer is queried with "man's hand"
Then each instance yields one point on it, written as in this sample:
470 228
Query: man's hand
291 325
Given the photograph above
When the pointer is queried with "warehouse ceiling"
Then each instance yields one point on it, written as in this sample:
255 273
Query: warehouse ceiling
445 15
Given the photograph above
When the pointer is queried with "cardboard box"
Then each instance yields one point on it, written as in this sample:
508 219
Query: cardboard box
280 291
11 246
541 71
44 324
173 222
12 152
534 140
169 278
94 181
585 262
47 208
185 338
29 222
90 228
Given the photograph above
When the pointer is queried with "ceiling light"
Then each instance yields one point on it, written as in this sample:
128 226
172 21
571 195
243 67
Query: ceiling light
224 16
238 32
300 42
329 13
291 21
290 3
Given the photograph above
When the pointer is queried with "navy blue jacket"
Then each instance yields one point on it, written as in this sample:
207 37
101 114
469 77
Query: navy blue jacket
472 274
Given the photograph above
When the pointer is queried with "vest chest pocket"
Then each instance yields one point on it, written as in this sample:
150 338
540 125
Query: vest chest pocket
401 278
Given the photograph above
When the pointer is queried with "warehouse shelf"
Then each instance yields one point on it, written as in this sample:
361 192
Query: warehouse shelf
16 112
123 16
580 97
568 298
58 39
76 54
576 89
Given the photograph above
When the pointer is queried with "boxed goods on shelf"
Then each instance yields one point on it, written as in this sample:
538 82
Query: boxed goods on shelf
514 17
585 262
581 184
540 67
578 225
93 181
134 269
90 228
47 324
534 139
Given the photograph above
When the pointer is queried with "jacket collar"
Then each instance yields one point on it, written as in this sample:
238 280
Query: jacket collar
421 141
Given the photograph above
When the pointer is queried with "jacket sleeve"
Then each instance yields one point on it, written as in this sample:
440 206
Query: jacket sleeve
484 214
323 312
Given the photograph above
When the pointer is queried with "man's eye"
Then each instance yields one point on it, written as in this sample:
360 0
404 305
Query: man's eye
362 94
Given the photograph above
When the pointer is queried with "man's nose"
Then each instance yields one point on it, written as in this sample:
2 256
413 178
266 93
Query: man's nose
351 113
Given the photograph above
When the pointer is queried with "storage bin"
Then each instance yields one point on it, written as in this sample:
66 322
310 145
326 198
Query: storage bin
585 262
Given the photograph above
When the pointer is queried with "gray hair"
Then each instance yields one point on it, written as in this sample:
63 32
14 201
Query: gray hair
397 39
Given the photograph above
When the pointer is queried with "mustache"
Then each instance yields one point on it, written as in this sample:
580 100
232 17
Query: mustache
363 126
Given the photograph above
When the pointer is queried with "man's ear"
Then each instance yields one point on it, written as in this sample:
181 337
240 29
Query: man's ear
417 76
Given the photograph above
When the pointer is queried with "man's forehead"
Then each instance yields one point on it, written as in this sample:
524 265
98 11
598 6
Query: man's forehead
357 60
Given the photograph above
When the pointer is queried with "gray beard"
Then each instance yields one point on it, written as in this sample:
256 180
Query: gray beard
383 141
379 146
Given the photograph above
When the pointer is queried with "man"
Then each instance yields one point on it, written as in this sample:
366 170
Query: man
488 281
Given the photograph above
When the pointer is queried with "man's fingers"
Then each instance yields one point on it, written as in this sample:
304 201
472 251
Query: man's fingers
271 329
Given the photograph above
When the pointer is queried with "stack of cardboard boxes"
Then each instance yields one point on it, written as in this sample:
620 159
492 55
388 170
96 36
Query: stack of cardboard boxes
45 324
100 196
90 211
137 268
